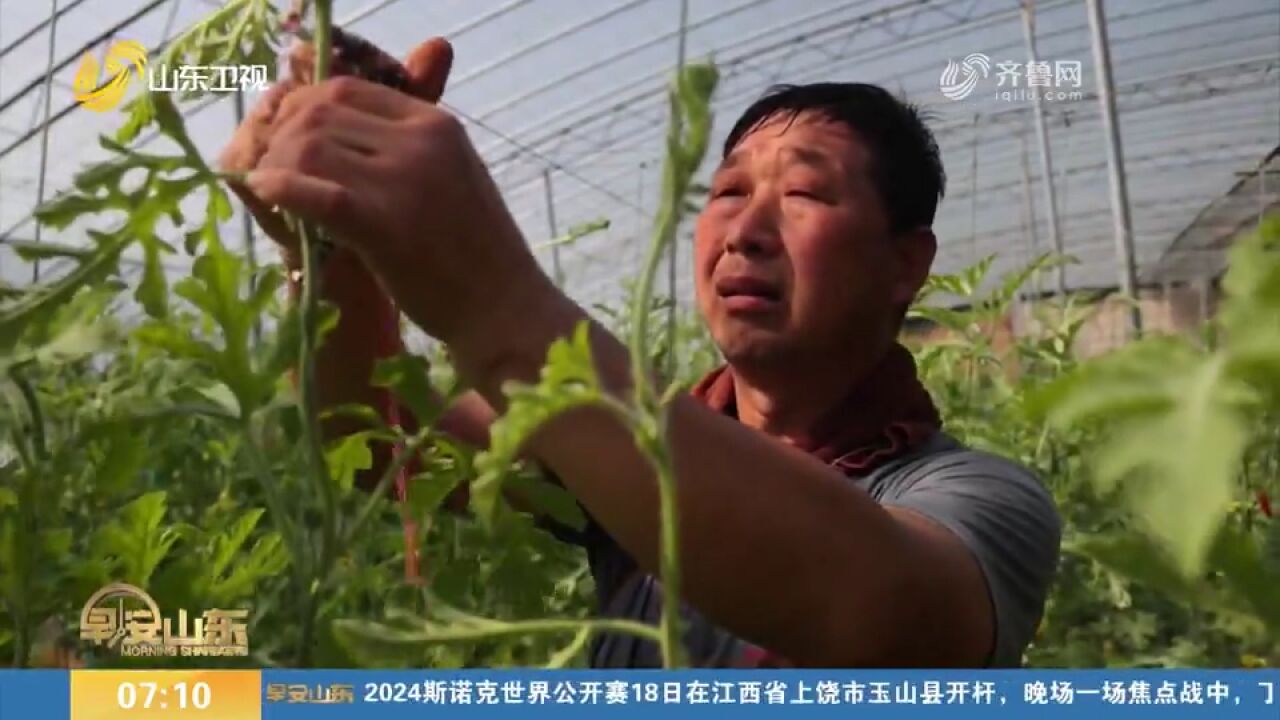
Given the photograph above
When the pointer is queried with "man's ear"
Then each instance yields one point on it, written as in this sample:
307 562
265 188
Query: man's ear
916 250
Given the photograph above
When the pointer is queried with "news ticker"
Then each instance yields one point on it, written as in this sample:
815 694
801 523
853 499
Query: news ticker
623 694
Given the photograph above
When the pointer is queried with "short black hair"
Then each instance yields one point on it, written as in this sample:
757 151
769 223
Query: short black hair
906 166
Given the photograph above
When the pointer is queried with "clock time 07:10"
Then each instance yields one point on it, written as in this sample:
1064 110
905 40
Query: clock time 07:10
146 695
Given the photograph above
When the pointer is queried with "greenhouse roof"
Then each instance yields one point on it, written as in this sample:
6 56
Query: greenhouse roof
566 101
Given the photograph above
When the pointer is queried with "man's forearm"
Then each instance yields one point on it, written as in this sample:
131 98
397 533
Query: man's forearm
769 535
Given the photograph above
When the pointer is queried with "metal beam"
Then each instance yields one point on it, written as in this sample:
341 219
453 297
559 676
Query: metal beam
1046 161
1115 162
1143 94
652 86
48 20
557 274
66 62
44 135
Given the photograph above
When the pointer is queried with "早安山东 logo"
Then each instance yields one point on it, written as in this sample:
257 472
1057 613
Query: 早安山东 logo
127 621
124 60
960 78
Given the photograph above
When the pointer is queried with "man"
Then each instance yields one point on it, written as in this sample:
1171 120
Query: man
825 518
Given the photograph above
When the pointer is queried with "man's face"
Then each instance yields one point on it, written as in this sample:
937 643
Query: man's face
793 254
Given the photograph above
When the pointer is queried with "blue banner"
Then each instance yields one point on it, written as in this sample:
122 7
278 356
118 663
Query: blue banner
626 694
35 694
789 695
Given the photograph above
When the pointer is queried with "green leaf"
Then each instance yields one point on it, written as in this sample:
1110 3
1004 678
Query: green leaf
951 319
568 381
56 543
170 120
348 457
1119 385
1187 493
214 287
266 559
227 543
1272 547
44 250
1000 298
124 460
73 343
364 414
550 500
177 342
1254 357
8 498
65 208
222 396
36 307
219 209
971 278
406 376
153 293
575 233
1134 556
427 491
137 538
1237 555
139 114
283 350
265 289
10 560
1253 274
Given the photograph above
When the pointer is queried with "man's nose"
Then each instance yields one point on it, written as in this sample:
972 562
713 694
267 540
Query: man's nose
755 230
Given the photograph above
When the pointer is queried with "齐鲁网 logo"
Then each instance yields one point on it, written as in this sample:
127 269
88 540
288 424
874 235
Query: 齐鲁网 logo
128 58
1015 81
127 621
960 78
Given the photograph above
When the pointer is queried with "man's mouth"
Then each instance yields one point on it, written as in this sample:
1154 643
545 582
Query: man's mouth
741 293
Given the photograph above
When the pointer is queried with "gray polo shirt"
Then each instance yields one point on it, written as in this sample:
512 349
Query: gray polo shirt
998 509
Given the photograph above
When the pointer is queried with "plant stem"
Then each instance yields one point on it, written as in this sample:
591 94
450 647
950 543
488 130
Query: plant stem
308 629
292 536
20 445
28 536
652 440
402 459
309 399
669 566
28 542
21 639
456 634
309 395
673 654
324 38
38 441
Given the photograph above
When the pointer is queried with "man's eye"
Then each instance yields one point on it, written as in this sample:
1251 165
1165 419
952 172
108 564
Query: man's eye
729 191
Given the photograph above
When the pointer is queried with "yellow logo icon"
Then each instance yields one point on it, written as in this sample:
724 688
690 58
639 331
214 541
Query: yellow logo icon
123 57
127 620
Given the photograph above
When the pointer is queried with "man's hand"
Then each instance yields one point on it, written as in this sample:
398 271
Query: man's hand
367 329
397 180
428 70
247 145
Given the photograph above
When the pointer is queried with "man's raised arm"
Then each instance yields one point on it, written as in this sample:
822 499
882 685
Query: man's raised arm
776 546
368 327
